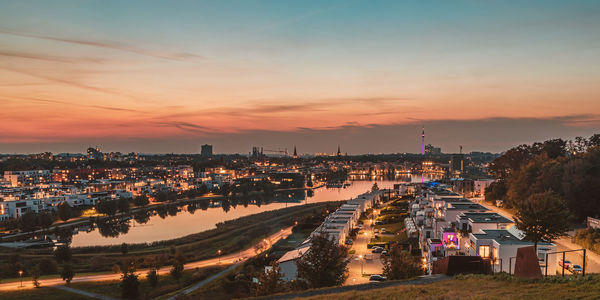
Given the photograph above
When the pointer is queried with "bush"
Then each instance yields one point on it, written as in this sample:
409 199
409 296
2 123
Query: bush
63 254
67 273
130 285
48 266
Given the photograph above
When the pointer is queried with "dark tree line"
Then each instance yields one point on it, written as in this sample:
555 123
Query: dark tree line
568 169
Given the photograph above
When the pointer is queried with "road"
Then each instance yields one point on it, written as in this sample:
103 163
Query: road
223 260
562 244
363 261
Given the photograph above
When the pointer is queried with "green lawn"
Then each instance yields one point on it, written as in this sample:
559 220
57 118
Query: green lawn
45 293
391 228
166 283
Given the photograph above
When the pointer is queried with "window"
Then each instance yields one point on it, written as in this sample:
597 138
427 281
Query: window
496 260
484 251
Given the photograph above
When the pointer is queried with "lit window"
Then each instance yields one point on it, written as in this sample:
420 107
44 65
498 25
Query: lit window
484 251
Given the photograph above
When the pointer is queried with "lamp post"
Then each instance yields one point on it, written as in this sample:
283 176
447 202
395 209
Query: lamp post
361 265
219 252
21 277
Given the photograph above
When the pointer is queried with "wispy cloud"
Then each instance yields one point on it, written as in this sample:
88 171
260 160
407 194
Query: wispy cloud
51 58
102 107
68 82
187 126
107 45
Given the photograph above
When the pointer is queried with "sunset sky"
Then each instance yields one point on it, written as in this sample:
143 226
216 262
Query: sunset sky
168 76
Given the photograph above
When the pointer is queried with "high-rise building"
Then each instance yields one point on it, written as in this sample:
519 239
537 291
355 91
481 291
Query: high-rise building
430 150
457 163
207 150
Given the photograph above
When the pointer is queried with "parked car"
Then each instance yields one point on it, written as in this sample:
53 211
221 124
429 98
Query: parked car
383 230
360 226
376 231
377 250
384 253
377 278
565 264
576 269
349 242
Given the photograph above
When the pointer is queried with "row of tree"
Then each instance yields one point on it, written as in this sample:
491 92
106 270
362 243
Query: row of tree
568 169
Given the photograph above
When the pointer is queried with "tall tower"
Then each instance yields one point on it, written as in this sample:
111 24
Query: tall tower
295 153
339 153
423 141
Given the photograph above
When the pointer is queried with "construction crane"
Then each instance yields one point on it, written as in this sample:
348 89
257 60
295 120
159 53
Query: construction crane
278 151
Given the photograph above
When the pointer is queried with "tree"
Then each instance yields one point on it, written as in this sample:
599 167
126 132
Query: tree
65 211
400 265
123 204
542 217
107 206
177 271
67 273
496 191
35 276
141 200
116 269
130 285
47 266
45 219
375 187
63 254
324 263
124 249
152 277
270 281
309 182
28 221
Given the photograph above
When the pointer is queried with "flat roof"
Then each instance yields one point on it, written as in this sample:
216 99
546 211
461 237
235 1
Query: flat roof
503 237
463 206
485 217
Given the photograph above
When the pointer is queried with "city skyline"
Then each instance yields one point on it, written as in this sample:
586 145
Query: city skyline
157 78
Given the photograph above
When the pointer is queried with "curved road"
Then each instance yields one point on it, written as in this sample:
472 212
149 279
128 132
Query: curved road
562 244
223 260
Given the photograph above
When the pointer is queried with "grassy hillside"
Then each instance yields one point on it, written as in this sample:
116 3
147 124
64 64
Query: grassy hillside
484 287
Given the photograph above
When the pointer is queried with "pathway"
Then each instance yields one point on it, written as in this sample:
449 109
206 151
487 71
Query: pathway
204 282
84 293
223 260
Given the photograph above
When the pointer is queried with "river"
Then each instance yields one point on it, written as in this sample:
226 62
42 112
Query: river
182 222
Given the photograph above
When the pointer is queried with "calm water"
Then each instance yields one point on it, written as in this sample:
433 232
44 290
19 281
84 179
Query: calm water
183 222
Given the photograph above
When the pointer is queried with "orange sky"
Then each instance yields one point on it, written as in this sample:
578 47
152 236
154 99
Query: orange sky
163 72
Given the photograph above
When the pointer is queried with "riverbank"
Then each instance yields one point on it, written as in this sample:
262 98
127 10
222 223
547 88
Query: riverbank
229 237
74 223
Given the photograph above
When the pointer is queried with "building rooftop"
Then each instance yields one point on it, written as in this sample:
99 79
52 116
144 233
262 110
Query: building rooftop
485 217
466 206
502 237
294 254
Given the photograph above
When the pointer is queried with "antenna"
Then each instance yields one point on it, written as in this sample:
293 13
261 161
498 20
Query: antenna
423 141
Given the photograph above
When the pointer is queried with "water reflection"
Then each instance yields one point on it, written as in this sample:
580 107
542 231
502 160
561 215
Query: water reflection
172 221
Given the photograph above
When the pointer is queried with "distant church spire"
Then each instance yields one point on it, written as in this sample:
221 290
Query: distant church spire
295 153
339 153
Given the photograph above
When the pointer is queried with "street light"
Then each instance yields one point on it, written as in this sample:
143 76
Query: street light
361 265
219 252
21 277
